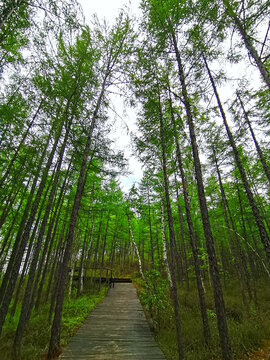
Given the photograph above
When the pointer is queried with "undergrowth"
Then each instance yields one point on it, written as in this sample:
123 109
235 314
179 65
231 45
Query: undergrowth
249 325
37 333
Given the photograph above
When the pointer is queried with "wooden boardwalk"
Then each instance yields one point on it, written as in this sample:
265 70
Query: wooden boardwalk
115 329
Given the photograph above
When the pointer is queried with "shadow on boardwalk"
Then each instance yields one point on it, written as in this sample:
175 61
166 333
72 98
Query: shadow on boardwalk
115 329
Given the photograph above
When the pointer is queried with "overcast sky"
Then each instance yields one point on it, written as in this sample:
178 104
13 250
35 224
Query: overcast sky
109 10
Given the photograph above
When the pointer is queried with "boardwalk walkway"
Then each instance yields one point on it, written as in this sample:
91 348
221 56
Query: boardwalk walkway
115 329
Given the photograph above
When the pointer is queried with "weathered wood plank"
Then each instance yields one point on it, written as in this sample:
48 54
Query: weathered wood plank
116 329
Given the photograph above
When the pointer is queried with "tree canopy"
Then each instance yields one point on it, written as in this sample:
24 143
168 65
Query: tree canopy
195 226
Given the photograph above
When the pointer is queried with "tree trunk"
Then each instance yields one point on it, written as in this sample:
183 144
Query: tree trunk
213 265
9 281
42 271
9 203
136 249
200 287
248 42
28 256
262 230
150 229
173 289
235 253
81 274
20 145
27 301
252 262
6 238
164 245
258 148
182 235
52 228
103 250
71 275
54 346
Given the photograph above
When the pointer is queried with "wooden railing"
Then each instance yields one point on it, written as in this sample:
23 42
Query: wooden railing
108 279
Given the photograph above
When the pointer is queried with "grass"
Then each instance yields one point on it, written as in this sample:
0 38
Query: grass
76 310
37 333
249 326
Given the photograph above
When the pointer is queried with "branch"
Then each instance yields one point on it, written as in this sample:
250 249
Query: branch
265 38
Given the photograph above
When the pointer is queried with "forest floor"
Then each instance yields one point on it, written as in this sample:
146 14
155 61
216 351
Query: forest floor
37 334
261 354
249 325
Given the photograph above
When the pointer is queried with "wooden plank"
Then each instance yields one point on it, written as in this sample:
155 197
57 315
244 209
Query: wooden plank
116 329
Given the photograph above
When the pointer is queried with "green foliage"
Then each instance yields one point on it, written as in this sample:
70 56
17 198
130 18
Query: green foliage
37 334
13 34
154 295
247 326
76 310
211 314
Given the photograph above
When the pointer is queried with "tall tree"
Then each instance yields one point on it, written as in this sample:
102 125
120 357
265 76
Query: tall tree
116 48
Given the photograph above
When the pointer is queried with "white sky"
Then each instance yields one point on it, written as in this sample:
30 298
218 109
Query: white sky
109 10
